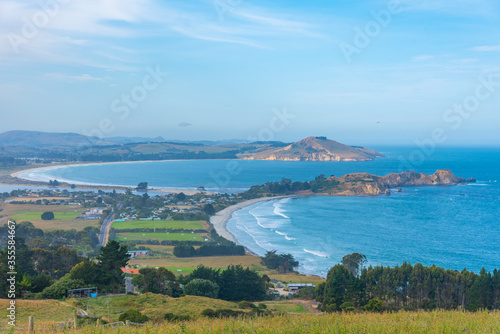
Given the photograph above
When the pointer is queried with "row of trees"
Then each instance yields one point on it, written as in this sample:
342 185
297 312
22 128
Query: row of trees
407 286
284 263
186 250
287 187
233 283
38 238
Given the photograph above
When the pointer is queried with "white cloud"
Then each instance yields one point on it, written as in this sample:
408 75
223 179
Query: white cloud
455 7
486 48
93 32
422 58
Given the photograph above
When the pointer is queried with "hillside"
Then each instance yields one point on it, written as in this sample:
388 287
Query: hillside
315 149
354 184
37 139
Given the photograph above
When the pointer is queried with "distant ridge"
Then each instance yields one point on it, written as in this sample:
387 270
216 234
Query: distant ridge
316 149
21 138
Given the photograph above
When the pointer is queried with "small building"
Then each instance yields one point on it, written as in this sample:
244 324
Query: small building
297 286
83 293
135 253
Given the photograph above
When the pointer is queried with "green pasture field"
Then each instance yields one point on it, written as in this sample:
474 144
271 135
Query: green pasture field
159 236
173 224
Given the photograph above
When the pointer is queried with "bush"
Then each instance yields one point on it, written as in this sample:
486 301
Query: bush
346 306
222 313
175 317
133 316
60 289
374 305
262 306
48 215
202 287
246 305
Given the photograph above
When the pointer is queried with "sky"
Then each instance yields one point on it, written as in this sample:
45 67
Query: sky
365 72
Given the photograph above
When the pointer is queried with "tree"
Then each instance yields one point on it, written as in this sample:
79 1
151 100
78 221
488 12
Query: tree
180 197
113 257
40 282
159 280
142 186
236 283
49 215
209 209
202 287
60 289
341 286
73 186
354 263
283 262
87 271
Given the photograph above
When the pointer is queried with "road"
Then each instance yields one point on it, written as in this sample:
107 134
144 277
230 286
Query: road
128 285
106 227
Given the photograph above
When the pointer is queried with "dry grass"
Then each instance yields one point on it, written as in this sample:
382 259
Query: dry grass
12 210
443 322
209 261
296 278
46 312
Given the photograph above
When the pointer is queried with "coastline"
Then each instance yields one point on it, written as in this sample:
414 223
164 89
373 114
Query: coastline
220 219
16 174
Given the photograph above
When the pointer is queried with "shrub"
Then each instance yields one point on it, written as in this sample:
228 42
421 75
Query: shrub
374 305
133 316
49 215
346 306
60 288
222 313
175 317
246 305
202 287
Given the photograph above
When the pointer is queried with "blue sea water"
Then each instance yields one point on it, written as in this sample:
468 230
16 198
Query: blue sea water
454 227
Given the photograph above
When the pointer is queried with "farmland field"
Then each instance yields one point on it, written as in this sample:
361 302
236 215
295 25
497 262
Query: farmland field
29 216
173 224
65 216
159 236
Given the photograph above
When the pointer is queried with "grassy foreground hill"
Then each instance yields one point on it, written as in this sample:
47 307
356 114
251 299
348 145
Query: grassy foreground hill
444 322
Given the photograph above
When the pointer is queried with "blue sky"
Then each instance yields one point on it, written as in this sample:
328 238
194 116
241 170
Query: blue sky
364 72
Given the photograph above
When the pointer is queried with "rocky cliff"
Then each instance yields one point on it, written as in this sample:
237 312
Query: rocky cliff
368 184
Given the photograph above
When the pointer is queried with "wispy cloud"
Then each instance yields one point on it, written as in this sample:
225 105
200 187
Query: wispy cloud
486 48
98 29
455 7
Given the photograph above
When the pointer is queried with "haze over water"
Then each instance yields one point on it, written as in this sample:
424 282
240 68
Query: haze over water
454 227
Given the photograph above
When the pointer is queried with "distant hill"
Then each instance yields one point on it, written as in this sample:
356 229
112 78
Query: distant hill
315 149
129 140
37 139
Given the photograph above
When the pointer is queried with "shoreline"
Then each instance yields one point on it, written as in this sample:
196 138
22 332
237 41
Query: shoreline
220 219
16 174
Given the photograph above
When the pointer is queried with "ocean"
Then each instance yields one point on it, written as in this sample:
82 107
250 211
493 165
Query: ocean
454 227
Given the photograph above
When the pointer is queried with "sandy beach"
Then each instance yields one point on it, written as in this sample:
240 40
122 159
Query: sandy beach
221 218
17 174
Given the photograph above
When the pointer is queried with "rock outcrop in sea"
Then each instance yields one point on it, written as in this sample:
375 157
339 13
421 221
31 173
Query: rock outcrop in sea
368 184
